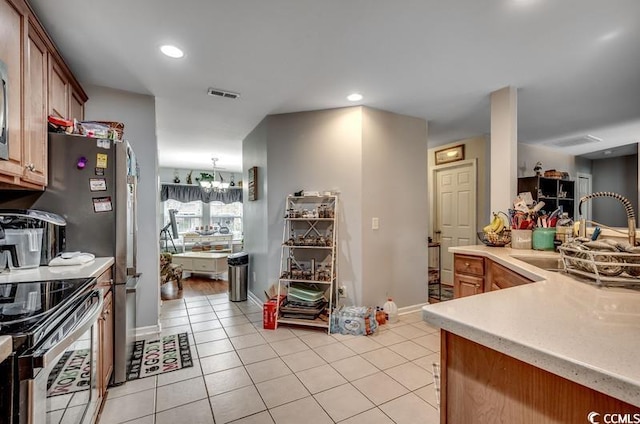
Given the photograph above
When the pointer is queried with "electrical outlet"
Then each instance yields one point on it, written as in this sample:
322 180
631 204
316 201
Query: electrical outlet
254 276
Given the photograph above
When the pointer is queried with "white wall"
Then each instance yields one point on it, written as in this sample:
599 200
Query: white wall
324 150
394 180
137 112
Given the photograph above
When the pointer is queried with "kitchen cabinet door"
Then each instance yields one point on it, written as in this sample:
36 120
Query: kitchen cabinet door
105 367
76 106
58 90
467 285
11 51
500 277
35 111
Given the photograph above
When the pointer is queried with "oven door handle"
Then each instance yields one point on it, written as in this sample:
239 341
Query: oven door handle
44 358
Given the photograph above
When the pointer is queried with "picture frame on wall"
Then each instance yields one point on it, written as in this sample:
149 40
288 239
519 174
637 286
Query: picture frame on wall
450 154
253 183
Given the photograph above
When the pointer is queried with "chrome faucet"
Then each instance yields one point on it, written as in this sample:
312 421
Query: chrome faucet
628 207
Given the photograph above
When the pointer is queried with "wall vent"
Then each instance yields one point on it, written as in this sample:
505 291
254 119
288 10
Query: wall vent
576 141
222 93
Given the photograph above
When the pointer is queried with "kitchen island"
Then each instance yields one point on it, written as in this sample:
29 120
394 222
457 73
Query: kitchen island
547 352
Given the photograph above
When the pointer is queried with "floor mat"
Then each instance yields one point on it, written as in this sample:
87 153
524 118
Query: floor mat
71 374
159 355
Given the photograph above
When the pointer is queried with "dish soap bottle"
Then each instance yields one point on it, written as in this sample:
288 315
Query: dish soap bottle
391 311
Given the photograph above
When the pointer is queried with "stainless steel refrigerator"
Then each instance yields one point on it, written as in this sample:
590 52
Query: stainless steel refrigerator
92 184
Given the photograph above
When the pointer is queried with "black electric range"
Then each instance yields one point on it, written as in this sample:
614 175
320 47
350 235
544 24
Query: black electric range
30 310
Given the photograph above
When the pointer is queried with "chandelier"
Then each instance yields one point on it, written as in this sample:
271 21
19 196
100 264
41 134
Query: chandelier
209 182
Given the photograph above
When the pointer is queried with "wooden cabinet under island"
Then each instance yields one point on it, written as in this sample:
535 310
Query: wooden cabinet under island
551 350
475 275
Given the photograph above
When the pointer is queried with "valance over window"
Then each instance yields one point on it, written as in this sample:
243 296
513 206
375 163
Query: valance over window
191 193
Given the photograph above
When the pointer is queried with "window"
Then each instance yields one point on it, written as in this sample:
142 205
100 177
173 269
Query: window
188 217
226 216
214 215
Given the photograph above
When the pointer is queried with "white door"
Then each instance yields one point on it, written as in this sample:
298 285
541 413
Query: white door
583 187
455 211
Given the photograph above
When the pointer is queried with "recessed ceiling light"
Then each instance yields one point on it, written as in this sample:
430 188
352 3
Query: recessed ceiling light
172 51
354 97
607 152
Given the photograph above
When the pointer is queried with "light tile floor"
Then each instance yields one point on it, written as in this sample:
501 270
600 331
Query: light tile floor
243 374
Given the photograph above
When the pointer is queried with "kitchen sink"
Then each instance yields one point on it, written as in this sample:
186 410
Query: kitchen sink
548 264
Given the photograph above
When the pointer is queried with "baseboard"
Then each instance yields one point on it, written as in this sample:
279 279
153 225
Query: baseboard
145 331
410 309
255 299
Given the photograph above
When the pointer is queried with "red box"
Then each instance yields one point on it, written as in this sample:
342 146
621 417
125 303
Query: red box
269 321
269 312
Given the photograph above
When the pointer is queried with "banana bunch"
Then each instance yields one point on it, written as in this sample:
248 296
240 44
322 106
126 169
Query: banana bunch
494 232
496 226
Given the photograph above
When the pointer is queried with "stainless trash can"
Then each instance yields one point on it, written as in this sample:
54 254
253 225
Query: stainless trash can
238 276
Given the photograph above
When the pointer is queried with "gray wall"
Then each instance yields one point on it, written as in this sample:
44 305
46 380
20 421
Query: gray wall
618 174
325 150
319 150
254 220
528 155
477 148
394 180
137 112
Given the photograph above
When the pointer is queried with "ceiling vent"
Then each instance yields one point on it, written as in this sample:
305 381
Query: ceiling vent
576 141
222 93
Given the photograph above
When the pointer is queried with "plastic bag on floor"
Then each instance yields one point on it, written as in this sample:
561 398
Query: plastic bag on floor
354 320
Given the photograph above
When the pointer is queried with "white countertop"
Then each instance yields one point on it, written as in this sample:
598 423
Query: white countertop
90 269
6 347
584 333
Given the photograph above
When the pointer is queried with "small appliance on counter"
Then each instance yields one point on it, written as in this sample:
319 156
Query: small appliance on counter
30 238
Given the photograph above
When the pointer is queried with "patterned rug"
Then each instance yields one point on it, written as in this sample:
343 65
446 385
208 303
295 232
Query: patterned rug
71 374
158 355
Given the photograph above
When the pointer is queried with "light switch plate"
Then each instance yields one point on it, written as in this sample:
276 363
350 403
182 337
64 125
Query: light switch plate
375 223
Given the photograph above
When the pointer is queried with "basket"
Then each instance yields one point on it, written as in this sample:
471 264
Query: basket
608 269
495 239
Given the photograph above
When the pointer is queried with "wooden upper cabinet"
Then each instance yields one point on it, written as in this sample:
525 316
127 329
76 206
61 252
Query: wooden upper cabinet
39 83
58 91
11 50
35 111
76 106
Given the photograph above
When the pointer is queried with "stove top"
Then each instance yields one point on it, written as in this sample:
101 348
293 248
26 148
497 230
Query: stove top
27 307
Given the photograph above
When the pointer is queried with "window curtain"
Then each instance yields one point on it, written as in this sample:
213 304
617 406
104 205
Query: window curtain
191 193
